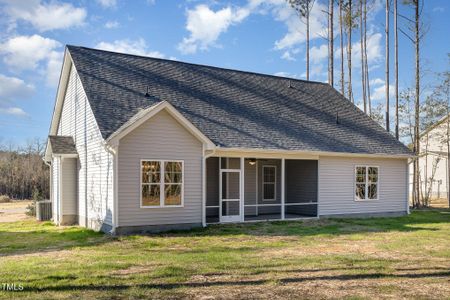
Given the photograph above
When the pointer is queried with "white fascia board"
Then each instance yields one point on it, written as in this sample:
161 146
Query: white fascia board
60 92
261 153
146 114
59 101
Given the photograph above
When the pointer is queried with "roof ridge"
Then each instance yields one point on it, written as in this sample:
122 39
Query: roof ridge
200 65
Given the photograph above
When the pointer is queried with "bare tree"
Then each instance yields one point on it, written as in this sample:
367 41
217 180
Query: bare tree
363 65
387 65
366 63
419 31
22 170
341 40
349 25
349 49
330 43
396 69
303 9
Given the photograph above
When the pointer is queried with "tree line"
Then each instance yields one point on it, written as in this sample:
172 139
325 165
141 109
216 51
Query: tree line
352 15
23 173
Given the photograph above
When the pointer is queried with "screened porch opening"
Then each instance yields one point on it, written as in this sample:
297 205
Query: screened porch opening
252 189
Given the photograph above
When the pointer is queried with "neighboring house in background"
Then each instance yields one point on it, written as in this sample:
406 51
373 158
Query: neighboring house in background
433 161
146 144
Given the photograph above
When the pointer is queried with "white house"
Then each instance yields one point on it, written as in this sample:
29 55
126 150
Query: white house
144 144
433 161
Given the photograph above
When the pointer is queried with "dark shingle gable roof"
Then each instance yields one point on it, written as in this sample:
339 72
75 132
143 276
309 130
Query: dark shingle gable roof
62 144
232 108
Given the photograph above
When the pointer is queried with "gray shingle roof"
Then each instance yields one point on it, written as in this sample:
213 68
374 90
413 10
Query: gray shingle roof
232 108
62 144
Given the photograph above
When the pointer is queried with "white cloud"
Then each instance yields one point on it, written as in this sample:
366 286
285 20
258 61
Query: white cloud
316 72
25 52
379 93
317 54
138 47
112 24
15 111
438 9
288 56
296 28
107 3
13 88
374 51
45 16
206 25
376 81
54 64
286 74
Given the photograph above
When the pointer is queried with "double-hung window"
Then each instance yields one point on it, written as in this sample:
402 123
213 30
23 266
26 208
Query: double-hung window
161 183
269 181
366 183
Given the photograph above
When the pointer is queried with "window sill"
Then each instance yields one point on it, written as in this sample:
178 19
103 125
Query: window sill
365 200
162 206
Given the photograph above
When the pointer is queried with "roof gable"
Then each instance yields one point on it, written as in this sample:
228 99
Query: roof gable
148 113
233 109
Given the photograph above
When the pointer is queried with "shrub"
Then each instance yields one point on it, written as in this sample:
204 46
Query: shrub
4 199
31 209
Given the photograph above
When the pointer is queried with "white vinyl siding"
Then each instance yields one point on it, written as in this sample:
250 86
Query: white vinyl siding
55 188
159 138
69 184
95 165
337 186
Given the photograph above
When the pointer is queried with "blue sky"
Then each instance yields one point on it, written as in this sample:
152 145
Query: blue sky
253 35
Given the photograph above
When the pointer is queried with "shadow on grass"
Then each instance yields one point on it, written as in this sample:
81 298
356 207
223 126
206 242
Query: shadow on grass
286 280
331 226
46 237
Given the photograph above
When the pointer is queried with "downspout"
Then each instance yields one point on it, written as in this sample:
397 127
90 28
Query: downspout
114 151
205 157
49 164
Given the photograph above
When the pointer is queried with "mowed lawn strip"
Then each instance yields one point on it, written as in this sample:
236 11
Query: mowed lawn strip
405 257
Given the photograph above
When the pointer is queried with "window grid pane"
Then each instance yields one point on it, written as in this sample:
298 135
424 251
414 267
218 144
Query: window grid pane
372 191
361 174
360 191
151 172
373 174
269 191
172 193
151 194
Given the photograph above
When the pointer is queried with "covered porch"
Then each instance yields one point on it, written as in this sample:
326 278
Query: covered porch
246 189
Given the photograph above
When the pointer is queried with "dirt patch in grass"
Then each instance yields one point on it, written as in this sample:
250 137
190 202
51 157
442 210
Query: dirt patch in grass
14 211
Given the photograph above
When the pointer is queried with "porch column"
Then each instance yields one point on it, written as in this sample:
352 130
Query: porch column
282 188
242 190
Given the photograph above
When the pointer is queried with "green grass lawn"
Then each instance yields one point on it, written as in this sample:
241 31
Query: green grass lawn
405 257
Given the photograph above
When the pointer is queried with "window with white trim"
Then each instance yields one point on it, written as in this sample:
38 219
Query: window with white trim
161 183
366 183
269 180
